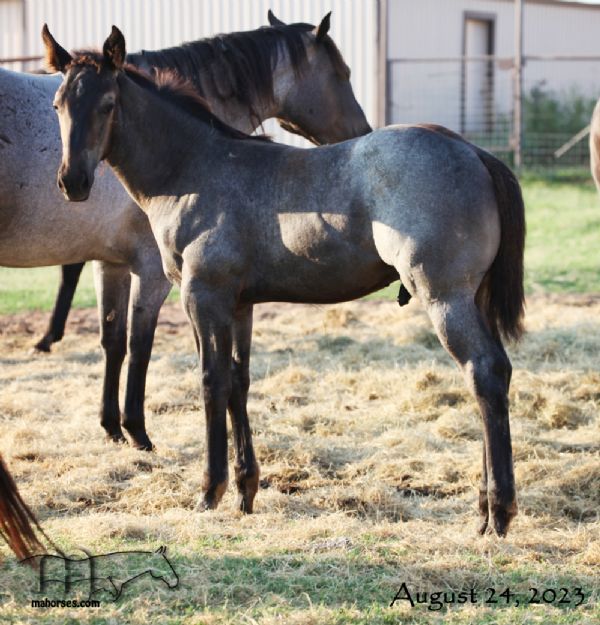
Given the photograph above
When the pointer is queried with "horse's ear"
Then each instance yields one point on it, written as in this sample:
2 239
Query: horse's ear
274 21
323 27
114 48
57 58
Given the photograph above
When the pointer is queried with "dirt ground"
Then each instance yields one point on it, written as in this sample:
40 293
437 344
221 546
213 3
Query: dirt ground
365 433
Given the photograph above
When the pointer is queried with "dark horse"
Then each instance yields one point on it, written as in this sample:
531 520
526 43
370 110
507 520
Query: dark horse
236 74
240 221
17 522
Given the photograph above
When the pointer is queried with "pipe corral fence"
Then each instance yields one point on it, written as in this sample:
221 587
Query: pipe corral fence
554 125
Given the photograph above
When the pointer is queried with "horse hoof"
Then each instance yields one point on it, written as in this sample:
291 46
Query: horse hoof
501 524
141 441
403 296
205 504
42 347
502 516
116 437
212 495
245 504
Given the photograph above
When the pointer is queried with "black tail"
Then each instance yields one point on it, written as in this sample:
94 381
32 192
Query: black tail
16 519
501 297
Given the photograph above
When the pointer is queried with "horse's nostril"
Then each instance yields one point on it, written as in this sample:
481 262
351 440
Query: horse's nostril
60 183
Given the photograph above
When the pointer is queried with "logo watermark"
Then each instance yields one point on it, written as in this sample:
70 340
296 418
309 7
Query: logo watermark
103 575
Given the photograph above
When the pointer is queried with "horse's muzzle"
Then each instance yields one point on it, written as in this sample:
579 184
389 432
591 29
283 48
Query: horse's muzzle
75 186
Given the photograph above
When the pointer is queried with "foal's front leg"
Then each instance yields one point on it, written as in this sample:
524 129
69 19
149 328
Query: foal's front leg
246 467
149 288
210 314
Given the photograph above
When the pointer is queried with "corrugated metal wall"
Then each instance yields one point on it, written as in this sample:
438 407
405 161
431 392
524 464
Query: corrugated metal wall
152 24
11 31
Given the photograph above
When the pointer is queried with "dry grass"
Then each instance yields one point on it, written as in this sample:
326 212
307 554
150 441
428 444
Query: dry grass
370 452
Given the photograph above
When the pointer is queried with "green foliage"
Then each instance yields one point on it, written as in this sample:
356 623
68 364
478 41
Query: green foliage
547 111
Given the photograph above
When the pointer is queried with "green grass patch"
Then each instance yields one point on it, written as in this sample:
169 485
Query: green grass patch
36 289
563 236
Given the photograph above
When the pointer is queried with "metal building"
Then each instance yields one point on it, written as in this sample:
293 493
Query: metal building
434 50
153 24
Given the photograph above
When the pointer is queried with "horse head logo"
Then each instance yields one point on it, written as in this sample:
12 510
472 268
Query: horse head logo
163 569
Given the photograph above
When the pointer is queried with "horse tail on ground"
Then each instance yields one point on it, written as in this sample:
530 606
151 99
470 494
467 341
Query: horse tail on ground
17 521
501 297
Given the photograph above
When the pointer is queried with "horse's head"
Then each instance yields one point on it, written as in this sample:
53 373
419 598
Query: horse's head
85 103
318 103
163 569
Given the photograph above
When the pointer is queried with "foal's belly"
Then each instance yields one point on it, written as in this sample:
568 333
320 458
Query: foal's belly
320 285
318 258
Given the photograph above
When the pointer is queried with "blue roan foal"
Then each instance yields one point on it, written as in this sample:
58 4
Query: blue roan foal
240 221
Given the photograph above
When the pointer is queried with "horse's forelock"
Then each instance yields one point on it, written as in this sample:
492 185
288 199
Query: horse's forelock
89 58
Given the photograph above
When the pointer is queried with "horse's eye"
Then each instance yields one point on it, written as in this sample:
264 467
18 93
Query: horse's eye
107 108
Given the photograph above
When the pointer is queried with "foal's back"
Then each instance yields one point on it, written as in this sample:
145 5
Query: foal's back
296 220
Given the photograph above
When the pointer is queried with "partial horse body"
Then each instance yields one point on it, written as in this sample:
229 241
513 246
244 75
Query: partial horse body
322 225
595 145
37 228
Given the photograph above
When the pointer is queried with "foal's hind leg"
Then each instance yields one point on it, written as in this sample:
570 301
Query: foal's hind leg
112 290
487 370
56 327
149 288
483 486
246 467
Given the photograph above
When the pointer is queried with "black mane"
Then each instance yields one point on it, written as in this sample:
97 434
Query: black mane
239 64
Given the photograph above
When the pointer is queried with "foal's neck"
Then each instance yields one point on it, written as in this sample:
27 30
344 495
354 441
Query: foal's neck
147 147
154 144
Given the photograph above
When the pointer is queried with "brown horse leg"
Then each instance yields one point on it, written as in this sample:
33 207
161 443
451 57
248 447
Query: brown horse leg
56 327
210 314
112 290
487 370
148 292
246 467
